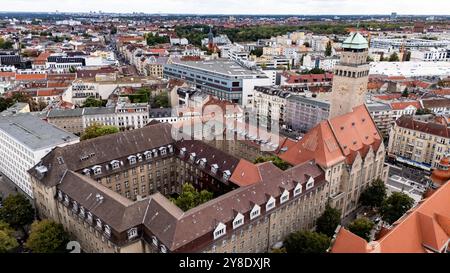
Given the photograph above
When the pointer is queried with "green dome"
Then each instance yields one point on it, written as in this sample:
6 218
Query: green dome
355 41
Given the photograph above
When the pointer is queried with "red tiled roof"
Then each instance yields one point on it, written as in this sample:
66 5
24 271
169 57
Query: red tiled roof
334 140
245 174
31 77
404 105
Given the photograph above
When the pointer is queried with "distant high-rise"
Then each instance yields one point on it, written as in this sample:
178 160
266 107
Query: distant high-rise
351 76
394 16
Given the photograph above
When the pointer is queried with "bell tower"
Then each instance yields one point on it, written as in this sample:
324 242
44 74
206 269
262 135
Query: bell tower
351 76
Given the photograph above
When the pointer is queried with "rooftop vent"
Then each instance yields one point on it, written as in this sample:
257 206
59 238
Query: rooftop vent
99 197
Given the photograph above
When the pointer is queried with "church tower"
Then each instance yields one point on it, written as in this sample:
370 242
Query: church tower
351 76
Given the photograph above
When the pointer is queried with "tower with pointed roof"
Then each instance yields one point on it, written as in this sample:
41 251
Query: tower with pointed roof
351 76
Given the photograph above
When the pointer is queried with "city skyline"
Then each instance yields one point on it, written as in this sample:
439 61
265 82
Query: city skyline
302 7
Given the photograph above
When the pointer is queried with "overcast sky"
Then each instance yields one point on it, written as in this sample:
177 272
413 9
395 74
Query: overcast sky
436 7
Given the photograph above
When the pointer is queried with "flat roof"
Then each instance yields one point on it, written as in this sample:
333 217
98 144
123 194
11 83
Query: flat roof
225 67
33 132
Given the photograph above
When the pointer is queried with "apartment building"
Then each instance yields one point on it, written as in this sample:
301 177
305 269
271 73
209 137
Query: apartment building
116 199
221 78
383 116
269 104
303 113
424 140
24 140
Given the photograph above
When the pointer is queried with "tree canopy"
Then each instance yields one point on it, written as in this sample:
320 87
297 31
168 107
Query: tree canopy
17 211
156 39
97 130
47 237
191 198
394 57
7 241
280 163
328 221
306 242
5 44
93 102
161 100
258 52
395 206
362 227
374 195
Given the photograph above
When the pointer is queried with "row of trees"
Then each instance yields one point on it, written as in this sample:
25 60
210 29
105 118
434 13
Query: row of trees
45 236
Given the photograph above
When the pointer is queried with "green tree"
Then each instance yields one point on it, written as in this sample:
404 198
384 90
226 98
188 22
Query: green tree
257 51
405 93
17 211
328 221
47 237
369 59
98 130
5 103
394 57
306 44
425 111
362 227
374 195
5 44
408 56
92 102
328 49
156 39
280 163
395 206
7 241
72 69
191 198
306 242
162 100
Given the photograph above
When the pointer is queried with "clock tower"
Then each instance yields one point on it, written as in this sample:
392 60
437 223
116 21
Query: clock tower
351 76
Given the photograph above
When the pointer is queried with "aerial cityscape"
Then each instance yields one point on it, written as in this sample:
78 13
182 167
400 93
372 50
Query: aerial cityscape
224 127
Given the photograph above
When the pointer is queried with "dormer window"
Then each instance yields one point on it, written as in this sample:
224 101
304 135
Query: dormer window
170 148
214 168
310 183
115 164
139 157
238 220
219 231
87 172
163 150
148 155
256 211
99 223
298 189
192 156
107 231
270 204
60 196
183 151
284 197
89 217
132 233
203 162
226 175
66 200
81 214
132 159
97 170
154 241
163 249
75 206
155 153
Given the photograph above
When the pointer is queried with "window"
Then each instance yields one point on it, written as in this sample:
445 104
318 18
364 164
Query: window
132 233
226 175
81 212
214 168
238 220
256 211
115 164
97 170
132 159
270 204
284 197
298 189
99 223
163 249
154 241
163 150
310 183
219 231
66 200
148 155
89 217
107 231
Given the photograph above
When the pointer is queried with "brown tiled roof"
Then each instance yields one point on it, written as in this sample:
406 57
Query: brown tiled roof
403 105
426 127
436 103
347 242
